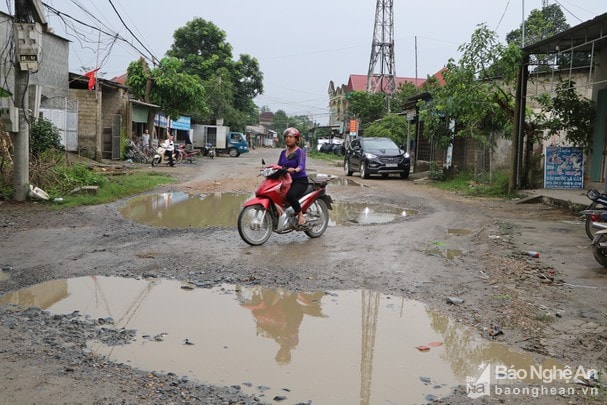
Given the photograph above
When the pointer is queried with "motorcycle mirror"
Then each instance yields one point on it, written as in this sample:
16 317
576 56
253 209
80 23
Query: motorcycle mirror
292 156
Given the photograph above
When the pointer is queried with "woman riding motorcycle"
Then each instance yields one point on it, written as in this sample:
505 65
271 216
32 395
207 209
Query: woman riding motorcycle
294 159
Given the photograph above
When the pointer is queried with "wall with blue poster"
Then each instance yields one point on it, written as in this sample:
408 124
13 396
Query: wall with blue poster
564 167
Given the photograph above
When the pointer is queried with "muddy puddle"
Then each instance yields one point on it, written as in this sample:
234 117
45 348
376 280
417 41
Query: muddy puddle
347 347
182 210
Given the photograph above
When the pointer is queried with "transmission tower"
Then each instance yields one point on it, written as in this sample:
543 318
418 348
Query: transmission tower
382 51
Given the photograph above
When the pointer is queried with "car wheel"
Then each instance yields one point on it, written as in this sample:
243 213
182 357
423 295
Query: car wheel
404 175
234 152
347 169
364 174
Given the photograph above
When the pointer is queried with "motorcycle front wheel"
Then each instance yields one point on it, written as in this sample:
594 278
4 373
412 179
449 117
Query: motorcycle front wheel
317 217
600 252
156 161
255 224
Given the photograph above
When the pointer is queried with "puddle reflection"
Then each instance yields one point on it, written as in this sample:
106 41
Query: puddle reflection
293 344
181 210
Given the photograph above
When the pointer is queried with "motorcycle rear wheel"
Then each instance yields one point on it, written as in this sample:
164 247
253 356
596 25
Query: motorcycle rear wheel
317 216
255 225
599 252
156 161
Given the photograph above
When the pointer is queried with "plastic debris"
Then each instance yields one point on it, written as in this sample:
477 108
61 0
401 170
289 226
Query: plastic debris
38 193
455 300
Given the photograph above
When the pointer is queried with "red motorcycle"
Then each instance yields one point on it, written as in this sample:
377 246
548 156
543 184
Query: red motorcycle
267 211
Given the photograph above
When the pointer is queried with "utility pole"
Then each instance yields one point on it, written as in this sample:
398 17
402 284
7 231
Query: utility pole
382 51
27 29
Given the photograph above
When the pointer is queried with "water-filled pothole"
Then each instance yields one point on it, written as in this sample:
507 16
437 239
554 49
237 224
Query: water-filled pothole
182 210
354 346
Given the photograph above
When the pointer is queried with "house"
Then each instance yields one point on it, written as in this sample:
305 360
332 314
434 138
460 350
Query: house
48 85
338 103
590 81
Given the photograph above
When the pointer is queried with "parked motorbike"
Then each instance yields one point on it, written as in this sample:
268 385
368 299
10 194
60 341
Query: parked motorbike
595 213
267 212
209 151
599 247
160 157
188 153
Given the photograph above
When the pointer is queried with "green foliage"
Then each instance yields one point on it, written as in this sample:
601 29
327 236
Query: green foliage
118 187
436 172
44 135
366 107
539 25
467 183
476 103
567 111
390 126
173 90
231 85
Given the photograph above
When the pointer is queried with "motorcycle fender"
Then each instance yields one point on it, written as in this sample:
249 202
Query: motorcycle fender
601 232
327 199
258 201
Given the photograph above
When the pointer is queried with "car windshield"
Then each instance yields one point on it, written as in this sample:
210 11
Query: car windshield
380 144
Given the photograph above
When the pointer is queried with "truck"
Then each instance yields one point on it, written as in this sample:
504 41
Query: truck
220 138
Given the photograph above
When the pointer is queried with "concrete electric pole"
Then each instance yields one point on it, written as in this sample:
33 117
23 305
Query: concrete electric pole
27 30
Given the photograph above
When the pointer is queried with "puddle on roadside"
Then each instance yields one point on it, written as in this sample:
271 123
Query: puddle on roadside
182 210
273 341
347 213
449 254
341 181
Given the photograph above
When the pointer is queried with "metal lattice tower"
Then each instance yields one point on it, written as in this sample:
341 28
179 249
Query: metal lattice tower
382 51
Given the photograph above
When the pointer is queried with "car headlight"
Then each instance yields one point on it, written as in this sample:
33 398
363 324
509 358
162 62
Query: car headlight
406 155
370 156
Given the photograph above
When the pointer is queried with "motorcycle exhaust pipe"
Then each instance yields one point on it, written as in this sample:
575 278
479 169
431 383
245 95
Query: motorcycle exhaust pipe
599 225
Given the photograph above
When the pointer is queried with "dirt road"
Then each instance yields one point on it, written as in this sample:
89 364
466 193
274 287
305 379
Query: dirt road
553 305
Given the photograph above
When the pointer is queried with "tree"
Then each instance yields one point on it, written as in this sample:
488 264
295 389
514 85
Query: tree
567 111
471 97
391 126
541 24
174 91
231 85
366 107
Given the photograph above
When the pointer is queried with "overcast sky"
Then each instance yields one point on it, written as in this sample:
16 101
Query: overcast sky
301 45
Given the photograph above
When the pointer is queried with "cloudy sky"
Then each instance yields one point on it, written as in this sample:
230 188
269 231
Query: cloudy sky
301 45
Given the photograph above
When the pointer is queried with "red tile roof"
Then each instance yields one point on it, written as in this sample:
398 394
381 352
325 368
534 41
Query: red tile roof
120 79
359 82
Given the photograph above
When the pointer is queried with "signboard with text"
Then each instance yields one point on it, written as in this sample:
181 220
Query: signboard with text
564 167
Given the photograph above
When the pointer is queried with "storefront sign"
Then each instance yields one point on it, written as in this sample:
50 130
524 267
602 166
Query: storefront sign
564 167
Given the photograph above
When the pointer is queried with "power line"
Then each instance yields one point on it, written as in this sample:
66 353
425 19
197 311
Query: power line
71 29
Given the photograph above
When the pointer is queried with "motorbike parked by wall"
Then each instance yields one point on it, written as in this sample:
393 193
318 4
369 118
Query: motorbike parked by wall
161 157
267 212
595 213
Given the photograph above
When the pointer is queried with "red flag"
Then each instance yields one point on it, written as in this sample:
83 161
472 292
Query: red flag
92 79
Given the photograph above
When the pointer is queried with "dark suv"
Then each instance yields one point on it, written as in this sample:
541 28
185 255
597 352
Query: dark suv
376 156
